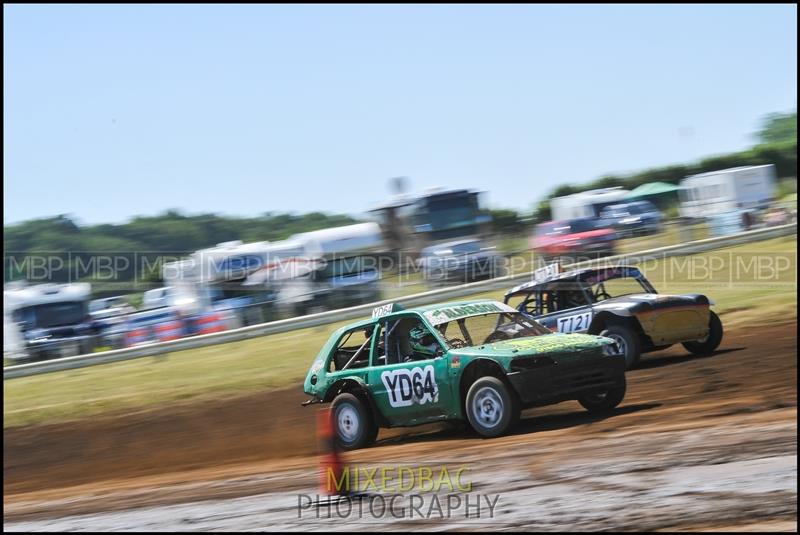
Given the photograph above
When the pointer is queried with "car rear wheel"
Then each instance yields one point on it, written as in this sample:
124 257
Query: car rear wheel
710 342
491 408
353 424
627 343
603 401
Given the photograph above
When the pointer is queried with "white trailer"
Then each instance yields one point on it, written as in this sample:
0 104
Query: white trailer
294 273
326 268
213 279
46 320
728 190
585 203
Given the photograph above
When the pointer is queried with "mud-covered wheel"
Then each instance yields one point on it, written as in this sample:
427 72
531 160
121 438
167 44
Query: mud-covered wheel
354 426
603 401
711 341
627 343
491 408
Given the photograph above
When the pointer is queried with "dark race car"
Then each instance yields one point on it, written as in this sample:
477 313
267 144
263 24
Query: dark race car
619 303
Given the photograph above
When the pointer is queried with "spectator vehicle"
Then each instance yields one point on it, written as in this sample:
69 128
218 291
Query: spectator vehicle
619 303
573 237
728 190
109 316
632 218
475 361
45 321
460 261
155 325
109 307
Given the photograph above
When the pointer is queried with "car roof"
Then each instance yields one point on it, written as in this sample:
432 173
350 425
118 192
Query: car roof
619 205
428 308
421 310
566 221
449 244
576 275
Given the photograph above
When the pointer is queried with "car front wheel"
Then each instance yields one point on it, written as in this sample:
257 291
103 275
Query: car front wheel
491 408
603 401
353 424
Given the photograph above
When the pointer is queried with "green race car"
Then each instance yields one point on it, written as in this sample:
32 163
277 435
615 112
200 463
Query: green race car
479 361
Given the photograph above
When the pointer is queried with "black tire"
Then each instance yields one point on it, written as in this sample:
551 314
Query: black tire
604 401
490 407
354 426
711 342
627 340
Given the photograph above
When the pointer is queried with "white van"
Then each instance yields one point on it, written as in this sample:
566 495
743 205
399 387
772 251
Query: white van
585 203
728 190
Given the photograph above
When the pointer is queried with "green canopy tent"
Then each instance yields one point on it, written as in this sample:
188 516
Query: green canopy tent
652 189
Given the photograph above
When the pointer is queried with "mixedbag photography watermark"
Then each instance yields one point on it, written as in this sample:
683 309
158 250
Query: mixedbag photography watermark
427 491
398 506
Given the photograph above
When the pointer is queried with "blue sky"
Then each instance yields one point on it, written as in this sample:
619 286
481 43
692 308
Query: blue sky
116 111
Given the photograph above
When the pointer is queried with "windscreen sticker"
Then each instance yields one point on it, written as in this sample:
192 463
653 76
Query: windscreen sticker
406 387
577 322
443 315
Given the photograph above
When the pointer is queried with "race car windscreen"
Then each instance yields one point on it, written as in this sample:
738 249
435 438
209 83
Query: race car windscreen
617 288
488 328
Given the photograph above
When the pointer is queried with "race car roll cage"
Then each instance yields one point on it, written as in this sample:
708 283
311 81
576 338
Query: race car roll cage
442 338
582 285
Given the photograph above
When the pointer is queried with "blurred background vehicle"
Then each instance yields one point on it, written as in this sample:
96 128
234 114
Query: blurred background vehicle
157 298
109 315
317 270
582 236
47 321
730 200
586 204
460 261
632 218
155 325
412 222
109 307
346 261
727 190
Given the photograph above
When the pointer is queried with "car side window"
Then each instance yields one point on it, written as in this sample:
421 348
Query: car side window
563 297
352 350
404 340
532 304
549 302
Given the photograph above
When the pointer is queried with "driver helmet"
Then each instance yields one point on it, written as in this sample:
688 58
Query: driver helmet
422 341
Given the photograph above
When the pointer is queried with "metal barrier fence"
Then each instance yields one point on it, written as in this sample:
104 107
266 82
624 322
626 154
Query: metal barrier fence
333 316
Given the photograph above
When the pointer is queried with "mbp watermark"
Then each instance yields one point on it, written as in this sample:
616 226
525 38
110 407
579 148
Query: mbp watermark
724 268
143 269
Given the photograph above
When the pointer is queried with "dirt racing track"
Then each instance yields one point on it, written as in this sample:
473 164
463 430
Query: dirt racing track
698 443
